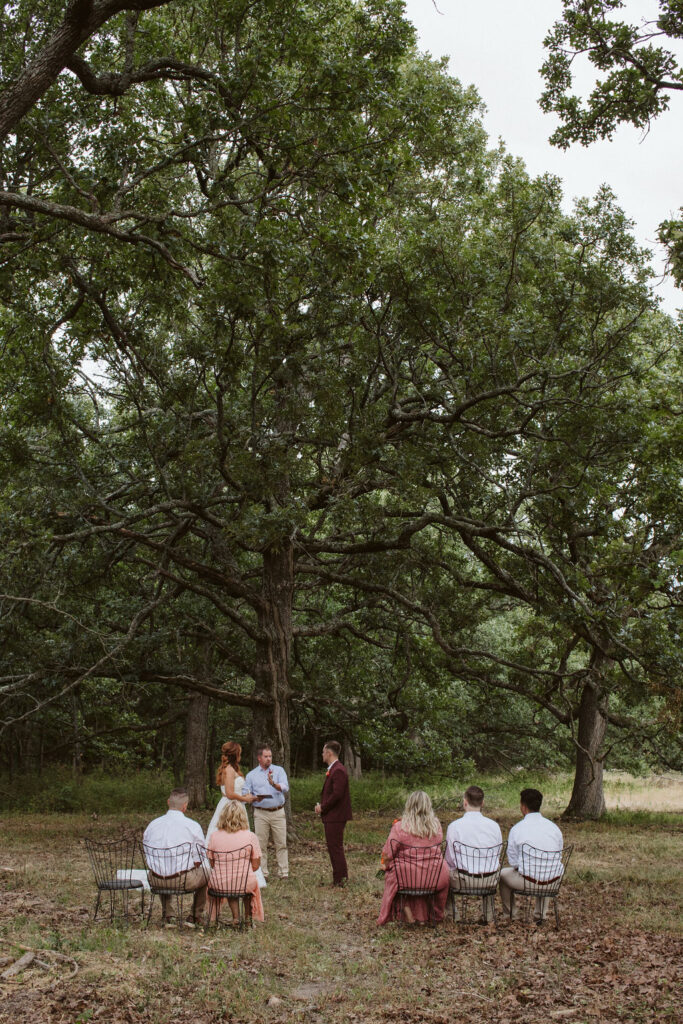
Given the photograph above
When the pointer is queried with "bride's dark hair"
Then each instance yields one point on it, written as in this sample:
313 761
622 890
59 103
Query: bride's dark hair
230 753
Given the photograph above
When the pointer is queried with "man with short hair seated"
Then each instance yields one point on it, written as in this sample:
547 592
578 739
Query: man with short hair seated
170 830
541 833
468 867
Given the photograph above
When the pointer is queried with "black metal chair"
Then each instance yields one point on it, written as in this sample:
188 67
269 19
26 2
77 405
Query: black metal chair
477 874
418 869
167 871
543 872
228 881
113 864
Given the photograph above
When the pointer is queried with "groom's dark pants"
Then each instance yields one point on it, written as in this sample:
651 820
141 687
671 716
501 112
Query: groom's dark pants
334 837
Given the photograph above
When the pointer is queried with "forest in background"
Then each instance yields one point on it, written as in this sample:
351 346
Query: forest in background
320 417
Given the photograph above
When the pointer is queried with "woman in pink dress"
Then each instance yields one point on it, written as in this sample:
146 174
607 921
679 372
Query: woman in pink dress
233 834
420 830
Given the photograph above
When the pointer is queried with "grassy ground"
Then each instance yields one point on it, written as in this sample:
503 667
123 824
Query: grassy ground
617 956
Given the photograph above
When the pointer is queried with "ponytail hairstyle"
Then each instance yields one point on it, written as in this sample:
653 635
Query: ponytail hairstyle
230 754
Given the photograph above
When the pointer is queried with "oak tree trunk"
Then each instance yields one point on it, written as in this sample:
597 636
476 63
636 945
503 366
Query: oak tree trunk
588 799
270 723
76 752
196 747
352 761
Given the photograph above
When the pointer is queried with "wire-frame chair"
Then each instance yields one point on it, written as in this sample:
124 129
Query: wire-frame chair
543 872
228 881
167 872
113 865
418 870
478 874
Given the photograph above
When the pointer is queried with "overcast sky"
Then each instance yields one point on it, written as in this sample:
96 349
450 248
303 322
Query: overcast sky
497 45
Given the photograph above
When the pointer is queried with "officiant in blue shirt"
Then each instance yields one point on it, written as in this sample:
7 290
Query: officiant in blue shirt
269 782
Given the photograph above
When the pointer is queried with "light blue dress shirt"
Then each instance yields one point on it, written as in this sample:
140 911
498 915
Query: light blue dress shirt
257 783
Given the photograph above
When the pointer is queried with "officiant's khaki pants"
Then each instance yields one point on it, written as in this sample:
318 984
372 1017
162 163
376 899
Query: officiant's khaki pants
267 824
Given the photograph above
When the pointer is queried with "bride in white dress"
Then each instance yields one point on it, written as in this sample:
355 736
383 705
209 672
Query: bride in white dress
229 777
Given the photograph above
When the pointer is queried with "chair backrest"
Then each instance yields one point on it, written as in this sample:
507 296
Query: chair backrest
417 867
543 869
479 861
230 869
112 859
171 863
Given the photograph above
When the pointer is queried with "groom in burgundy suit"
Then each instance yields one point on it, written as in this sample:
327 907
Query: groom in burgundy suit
335 810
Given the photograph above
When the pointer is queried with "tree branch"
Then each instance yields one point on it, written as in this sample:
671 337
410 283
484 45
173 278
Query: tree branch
82 19
110 84
102 224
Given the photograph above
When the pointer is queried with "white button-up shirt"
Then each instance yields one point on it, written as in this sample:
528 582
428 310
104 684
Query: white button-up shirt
473 829
173 829
543 834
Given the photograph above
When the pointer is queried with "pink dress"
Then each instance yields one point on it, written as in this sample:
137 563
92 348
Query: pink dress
418 904
227 842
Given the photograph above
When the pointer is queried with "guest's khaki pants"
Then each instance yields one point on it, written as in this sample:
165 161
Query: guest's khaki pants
267 824
511 881
462 883
194 881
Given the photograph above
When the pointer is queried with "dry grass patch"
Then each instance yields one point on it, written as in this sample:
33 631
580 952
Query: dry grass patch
656 793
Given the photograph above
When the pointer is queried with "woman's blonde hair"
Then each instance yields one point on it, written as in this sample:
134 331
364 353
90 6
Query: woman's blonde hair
233 817
418 816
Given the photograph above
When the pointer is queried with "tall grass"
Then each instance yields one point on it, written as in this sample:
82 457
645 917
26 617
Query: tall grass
57 790
385 794
145 792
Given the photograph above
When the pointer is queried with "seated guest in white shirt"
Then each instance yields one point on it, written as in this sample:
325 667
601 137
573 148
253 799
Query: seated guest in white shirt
171 830
467 866
541 833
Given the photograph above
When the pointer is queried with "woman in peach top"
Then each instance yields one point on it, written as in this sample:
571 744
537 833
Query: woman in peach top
233 834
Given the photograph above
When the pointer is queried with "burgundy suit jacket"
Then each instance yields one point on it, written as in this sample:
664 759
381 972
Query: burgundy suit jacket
335 801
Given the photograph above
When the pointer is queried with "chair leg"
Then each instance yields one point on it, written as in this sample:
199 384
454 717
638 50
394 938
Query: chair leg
97 904
149 912
488 903
557 913
214 911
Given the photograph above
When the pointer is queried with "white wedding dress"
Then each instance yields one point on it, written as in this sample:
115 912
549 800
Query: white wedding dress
213 824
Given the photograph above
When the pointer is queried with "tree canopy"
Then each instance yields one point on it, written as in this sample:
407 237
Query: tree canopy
316 406
638 74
